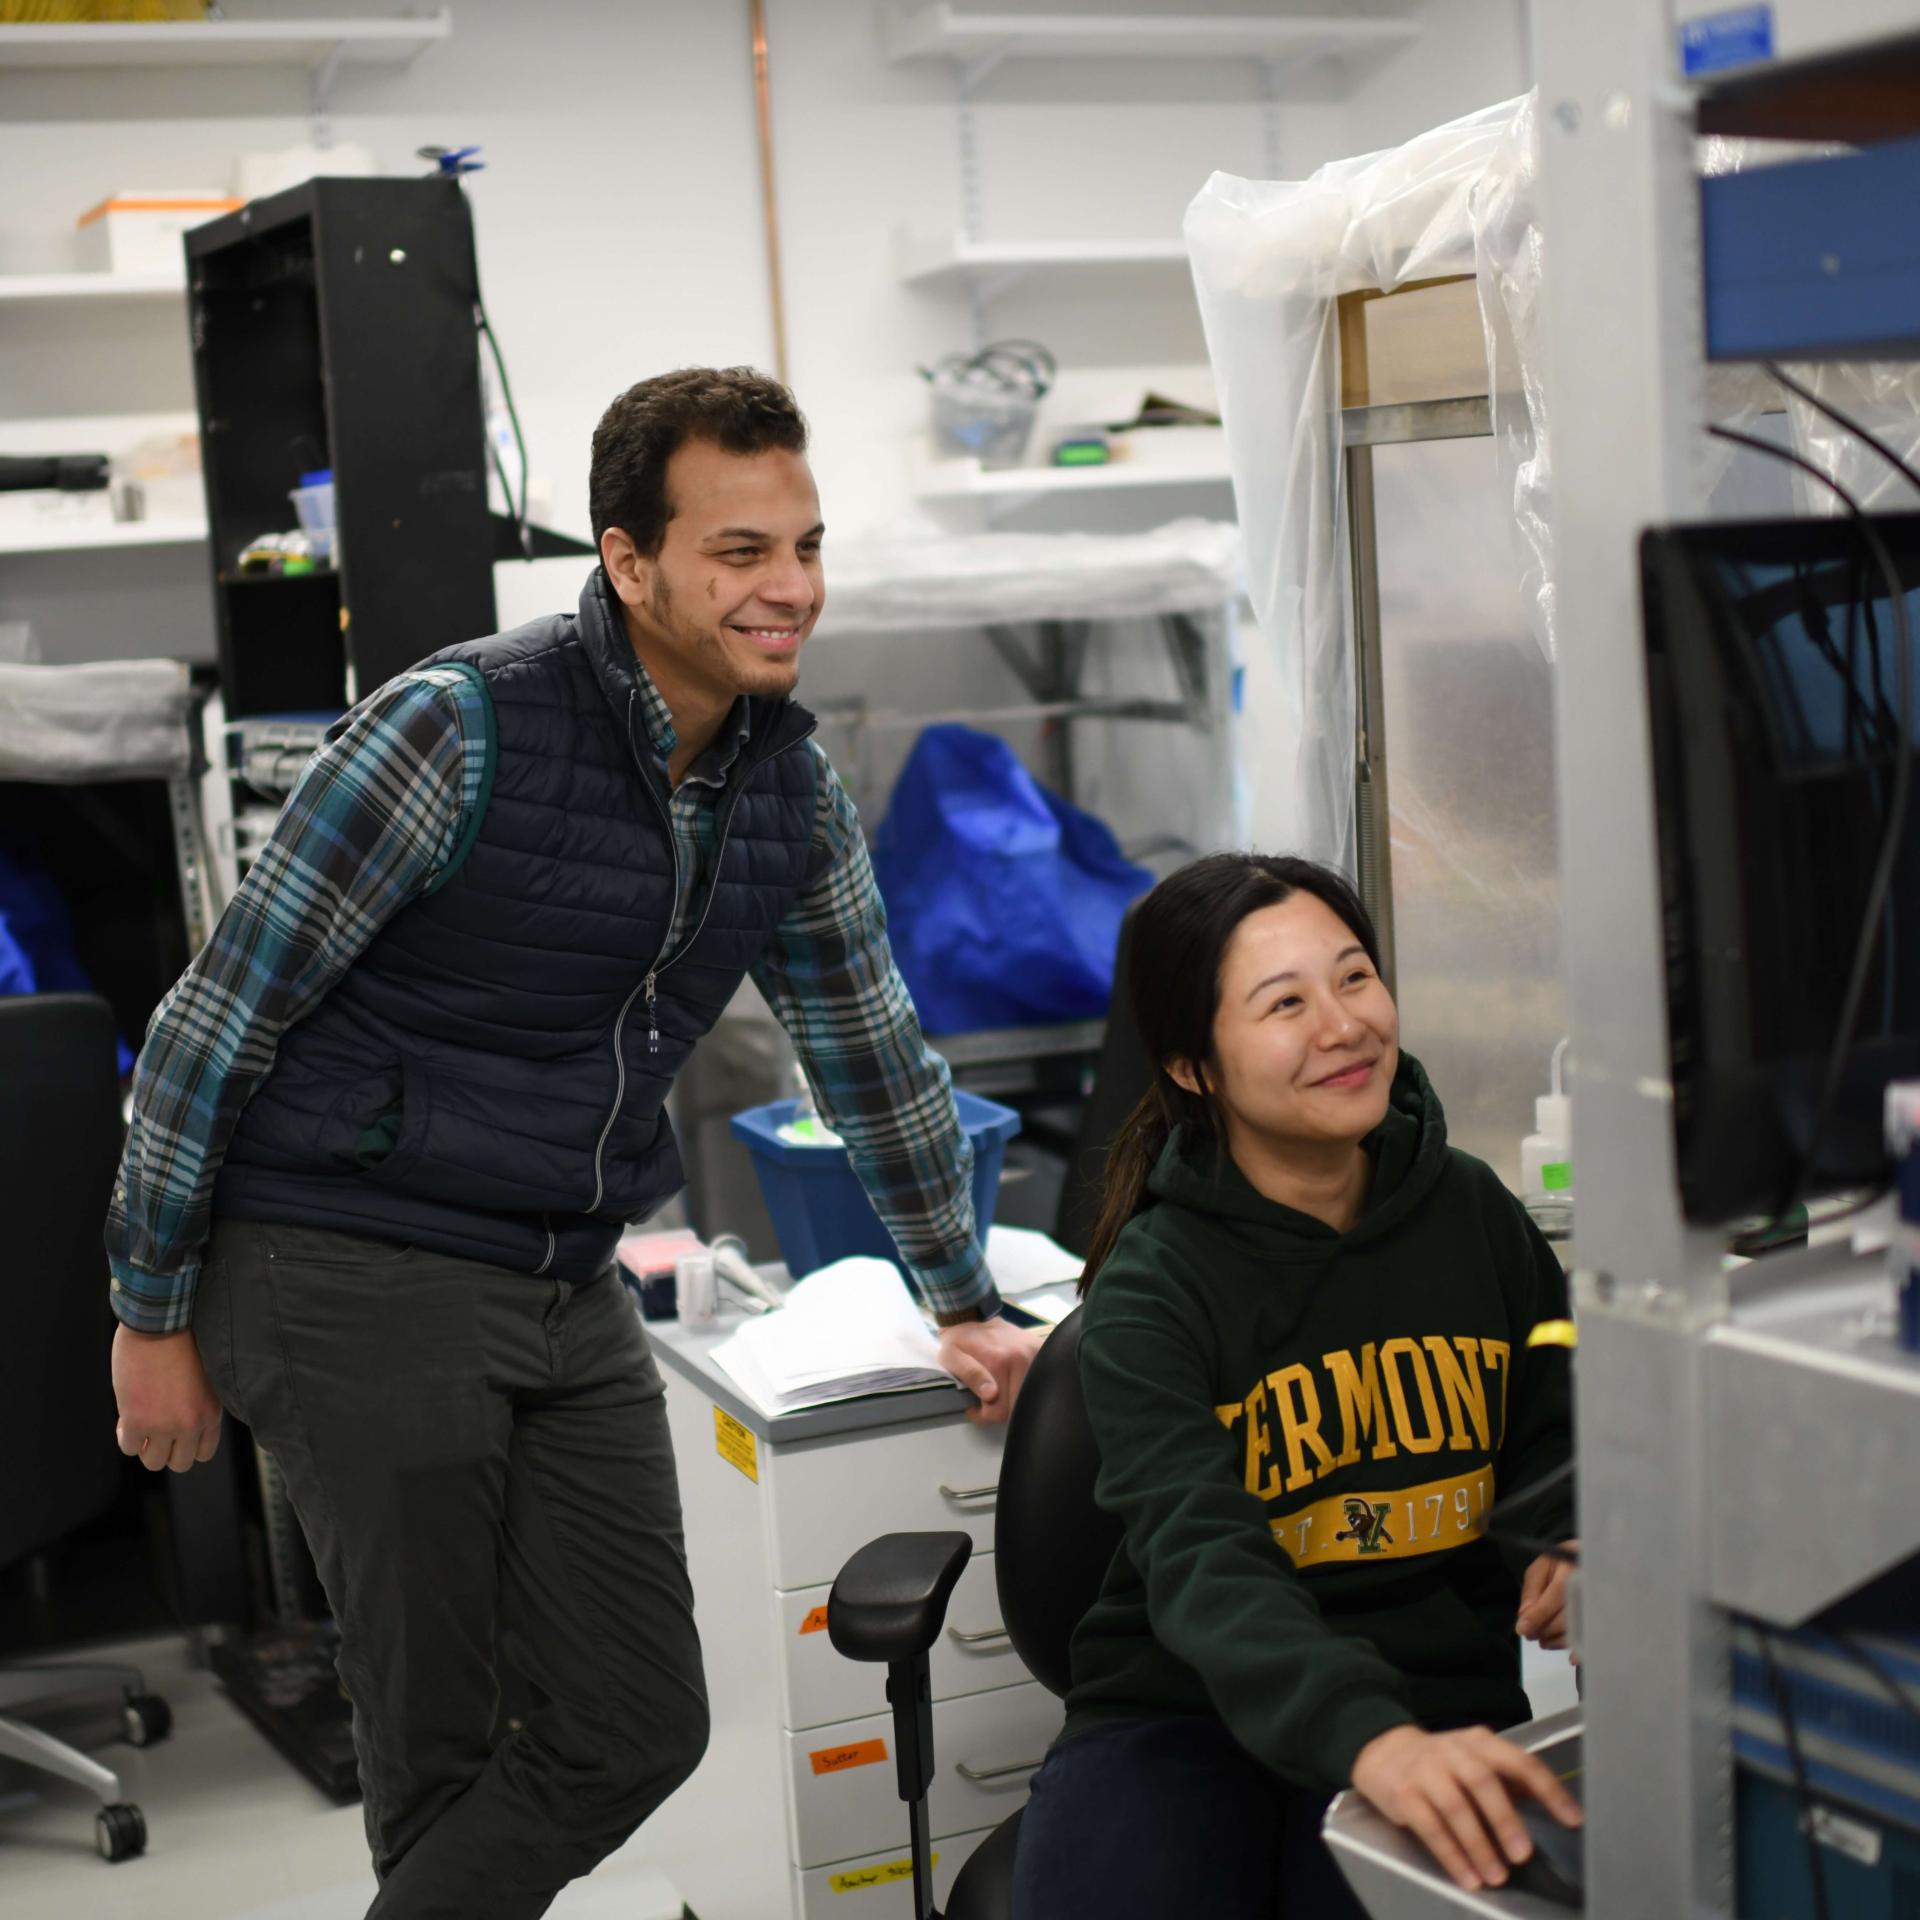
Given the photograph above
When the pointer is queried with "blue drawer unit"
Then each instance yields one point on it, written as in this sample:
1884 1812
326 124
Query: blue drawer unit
1815 258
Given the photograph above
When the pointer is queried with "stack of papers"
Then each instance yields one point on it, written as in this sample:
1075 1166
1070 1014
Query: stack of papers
1021 1259
846 1330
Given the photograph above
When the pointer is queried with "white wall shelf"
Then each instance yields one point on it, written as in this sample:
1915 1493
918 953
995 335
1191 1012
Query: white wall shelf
968 480
929 259
316 44
946 32
36 288
91 537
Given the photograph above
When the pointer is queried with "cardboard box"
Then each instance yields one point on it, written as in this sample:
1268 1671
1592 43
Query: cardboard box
138 232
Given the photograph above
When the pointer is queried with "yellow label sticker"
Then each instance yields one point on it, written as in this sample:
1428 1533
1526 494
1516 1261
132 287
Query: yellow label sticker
736 1444
815 1622
884 1875
1390 1526
858 1753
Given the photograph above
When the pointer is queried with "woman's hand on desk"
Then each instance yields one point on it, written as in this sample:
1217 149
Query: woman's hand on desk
1452 1790
168 1414
990 1359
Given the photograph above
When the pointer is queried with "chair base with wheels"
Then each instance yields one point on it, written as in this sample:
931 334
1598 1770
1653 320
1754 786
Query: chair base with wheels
120 1830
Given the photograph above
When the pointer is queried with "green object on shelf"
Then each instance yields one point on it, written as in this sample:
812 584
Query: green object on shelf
1082 453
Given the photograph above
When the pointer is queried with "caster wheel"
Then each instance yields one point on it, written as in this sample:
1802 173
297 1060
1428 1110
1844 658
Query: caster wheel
146 1719
120 1832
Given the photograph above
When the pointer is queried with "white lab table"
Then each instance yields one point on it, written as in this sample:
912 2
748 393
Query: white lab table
796 1811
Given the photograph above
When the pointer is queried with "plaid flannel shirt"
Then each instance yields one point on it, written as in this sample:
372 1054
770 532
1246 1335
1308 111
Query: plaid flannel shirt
375 820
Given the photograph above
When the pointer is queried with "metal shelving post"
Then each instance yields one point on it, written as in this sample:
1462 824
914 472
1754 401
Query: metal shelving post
1678 1527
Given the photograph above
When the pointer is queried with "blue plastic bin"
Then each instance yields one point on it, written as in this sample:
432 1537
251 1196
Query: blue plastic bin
821 1211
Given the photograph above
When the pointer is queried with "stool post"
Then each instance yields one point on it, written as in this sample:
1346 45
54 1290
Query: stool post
910 1694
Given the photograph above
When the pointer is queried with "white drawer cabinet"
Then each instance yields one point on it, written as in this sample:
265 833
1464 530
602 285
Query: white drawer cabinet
973 1655
796 1809
844 1796
834 1495
879 1887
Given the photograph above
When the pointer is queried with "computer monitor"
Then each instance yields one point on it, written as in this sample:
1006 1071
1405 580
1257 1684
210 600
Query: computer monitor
1775 706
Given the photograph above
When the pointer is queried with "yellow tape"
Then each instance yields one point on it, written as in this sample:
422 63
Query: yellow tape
736 1444
885 1875
1393 1525
1554 1333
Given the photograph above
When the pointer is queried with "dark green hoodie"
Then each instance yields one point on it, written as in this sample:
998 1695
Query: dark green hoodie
1302 1431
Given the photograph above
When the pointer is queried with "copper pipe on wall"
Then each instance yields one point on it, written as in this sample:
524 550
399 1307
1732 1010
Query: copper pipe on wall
763 104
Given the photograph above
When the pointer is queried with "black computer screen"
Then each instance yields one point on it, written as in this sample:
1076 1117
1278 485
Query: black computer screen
1778 723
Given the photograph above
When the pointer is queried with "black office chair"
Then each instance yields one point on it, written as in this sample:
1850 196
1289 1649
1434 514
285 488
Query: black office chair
59 1147
1121 1078
1052 1547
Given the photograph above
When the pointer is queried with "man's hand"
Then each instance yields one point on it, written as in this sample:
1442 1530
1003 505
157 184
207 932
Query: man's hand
1543 1601
1452 1790
168 1414
990 1358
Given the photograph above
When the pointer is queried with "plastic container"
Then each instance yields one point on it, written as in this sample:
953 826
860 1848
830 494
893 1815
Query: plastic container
821 1212
993 428
313 502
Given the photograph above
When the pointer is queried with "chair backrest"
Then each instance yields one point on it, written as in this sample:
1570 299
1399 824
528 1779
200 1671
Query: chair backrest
59 1147
1121 1078
1052 1546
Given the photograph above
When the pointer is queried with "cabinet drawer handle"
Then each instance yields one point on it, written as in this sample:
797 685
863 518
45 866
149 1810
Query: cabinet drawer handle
960 1494
980 1775
984 1637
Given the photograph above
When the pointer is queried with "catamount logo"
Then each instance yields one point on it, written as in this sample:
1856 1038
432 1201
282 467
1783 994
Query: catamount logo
1366 1525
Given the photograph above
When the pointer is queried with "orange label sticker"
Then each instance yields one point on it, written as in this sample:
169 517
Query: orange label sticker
815 1622
862 1753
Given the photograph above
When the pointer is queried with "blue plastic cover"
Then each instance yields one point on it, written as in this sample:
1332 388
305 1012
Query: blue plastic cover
36 939
1005 900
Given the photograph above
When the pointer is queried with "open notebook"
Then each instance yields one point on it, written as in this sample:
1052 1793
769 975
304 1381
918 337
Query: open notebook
846 1330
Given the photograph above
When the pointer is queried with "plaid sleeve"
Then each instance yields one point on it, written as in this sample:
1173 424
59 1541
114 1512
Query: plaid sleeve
829 975
378 816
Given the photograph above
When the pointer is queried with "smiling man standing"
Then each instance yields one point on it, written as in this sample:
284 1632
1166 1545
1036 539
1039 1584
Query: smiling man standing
391 1122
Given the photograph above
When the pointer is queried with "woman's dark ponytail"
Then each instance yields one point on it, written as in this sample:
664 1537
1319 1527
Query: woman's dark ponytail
1135 1152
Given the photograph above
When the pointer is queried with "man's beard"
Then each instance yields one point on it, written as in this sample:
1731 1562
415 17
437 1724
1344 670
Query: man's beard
762 679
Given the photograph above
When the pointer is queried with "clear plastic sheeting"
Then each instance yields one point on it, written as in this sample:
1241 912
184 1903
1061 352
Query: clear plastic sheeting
989 579
1270 259
105 720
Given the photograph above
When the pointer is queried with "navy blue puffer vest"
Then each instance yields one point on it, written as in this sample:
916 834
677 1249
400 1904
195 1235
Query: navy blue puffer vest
482 1081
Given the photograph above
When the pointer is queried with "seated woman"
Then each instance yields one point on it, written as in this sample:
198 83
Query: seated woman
1306 1358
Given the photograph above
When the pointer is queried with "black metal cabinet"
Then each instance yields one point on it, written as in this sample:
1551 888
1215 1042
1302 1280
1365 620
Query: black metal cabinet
333 327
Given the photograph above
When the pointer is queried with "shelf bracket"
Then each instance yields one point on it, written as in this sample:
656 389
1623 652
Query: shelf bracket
1029 672
975 73
321 95
1270 71
987 286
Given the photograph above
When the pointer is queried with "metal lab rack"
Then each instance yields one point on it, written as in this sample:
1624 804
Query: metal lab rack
1746 1442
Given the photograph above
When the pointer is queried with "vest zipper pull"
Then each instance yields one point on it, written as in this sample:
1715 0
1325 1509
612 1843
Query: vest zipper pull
653 1025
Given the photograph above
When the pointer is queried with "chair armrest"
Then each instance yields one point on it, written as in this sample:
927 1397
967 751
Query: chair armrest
890 1600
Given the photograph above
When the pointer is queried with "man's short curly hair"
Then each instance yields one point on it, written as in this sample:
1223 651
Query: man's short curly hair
739 409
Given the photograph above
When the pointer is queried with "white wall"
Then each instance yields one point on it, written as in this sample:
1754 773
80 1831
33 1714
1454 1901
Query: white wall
1470 54
619 233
